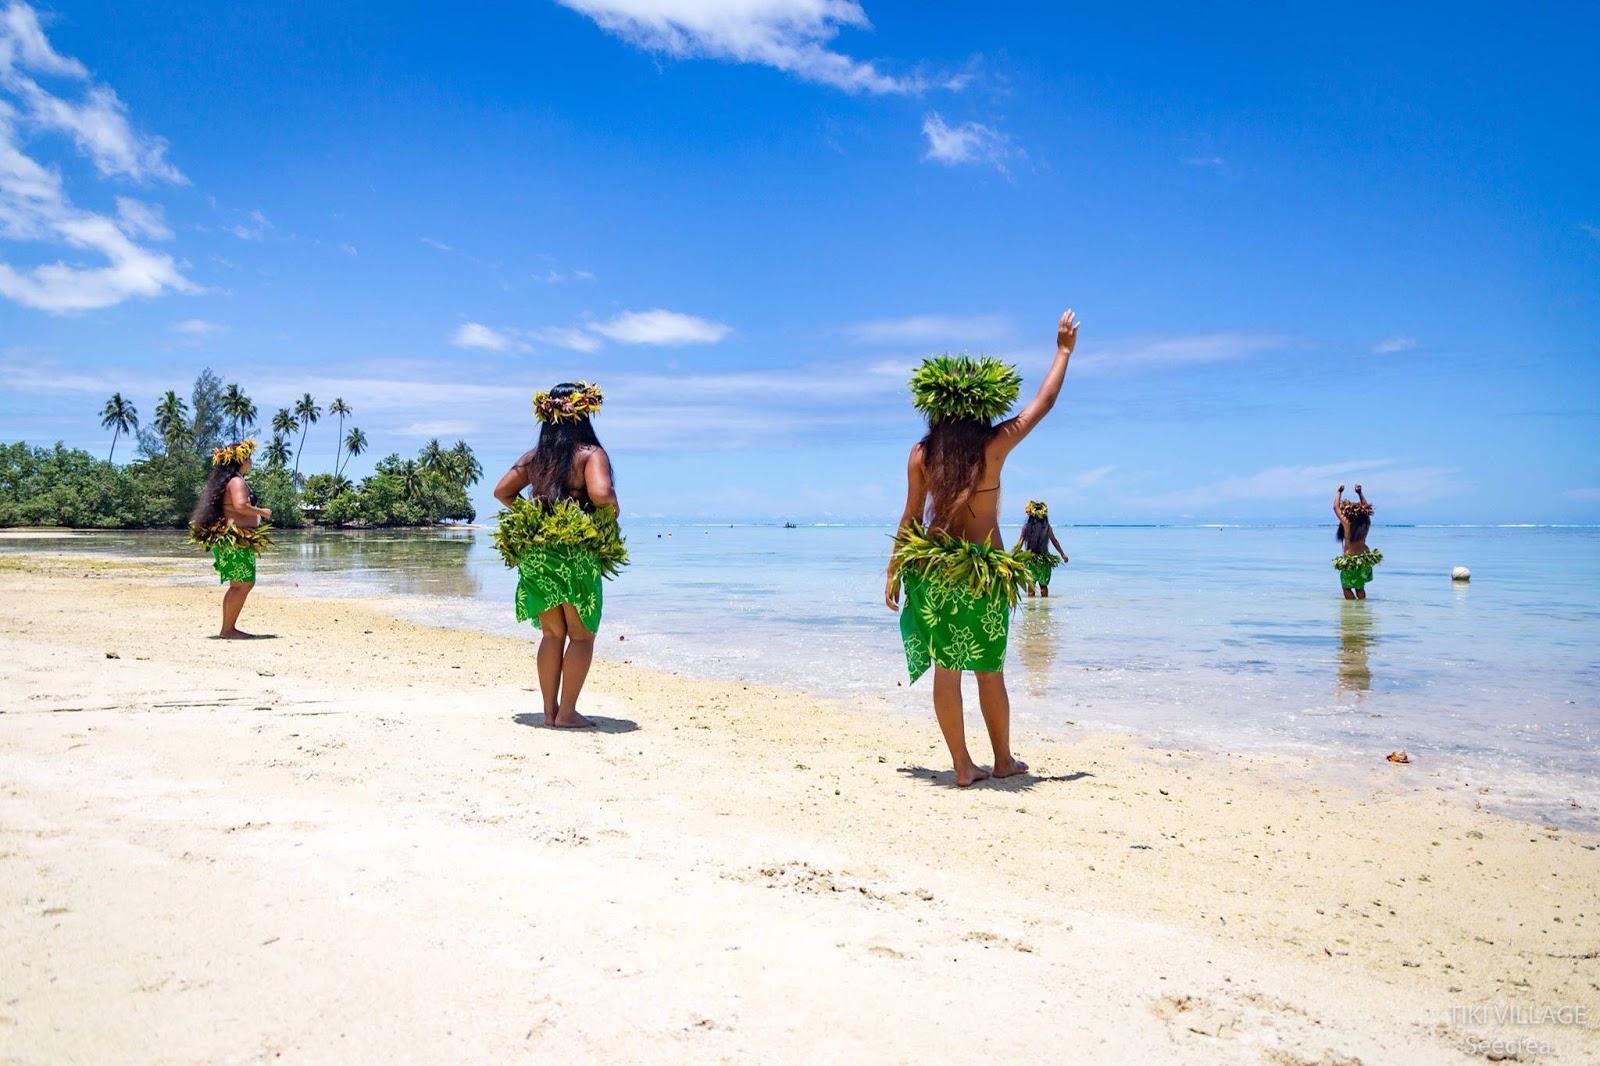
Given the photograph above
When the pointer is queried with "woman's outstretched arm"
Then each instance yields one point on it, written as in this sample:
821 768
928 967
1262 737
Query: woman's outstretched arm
916 495
1010 432
1338 509
1059 549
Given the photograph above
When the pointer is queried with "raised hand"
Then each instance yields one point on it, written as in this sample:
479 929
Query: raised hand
1067 332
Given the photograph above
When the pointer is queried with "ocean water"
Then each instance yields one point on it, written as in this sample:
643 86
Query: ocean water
1234 638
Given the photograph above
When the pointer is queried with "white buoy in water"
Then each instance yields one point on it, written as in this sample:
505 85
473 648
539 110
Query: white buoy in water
1461 573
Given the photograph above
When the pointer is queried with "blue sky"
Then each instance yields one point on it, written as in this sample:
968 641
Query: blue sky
1306 247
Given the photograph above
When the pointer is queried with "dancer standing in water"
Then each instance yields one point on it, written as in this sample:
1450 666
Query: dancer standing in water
1037 536
227 521
1355 563
960 583
562 539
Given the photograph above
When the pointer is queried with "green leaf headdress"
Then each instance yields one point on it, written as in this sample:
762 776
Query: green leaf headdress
959 386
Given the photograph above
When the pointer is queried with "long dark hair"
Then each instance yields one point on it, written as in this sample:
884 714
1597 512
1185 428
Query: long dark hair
550 465
1360 526
952 456
208 508
1036 535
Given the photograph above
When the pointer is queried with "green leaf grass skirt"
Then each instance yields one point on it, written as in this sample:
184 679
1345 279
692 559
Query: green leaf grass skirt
1356 570
548 576
1041 567
233 563
944 622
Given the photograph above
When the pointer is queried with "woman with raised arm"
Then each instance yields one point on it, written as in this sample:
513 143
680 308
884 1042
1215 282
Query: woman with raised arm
562 539
1355 563
1033 546
960 583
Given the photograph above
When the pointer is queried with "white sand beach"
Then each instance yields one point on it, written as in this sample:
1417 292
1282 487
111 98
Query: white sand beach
346 843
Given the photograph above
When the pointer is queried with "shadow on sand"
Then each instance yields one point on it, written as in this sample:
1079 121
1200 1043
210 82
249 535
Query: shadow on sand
252 636
602 724
1019 783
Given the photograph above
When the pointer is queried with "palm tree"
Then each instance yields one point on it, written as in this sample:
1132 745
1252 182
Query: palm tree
464 465
340 408
307 411
277 452
355 442
283 423
240 409
119 416
410 479
432 457
172 420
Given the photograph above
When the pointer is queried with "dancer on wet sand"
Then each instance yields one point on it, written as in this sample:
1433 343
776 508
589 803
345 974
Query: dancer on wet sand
1034 545
562 539
960 583
227 521
1355 563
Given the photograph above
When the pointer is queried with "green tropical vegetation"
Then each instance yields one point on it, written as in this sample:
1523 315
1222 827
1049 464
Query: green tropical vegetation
61 486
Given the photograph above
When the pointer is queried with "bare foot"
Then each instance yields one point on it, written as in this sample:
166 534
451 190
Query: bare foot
971 776
573 720
236 634
1009 767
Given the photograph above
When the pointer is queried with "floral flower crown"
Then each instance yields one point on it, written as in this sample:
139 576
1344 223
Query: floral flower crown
1356 509
959 386
577 405
233 453
1037 509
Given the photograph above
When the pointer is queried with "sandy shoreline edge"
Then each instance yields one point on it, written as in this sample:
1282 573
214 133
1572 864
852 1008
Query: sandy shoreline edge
342 842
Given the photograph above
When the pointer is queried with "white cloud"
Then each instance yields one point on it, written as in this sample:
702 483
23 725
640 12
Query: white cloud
570 337
1391 345
440 245
660 327
1316 482
789 35
22 42
197 327
932 329
557 277
1178 351
1583 495
1215 162
34 205
349 249
970 142
1591 229
438 428
477 335
1093 477
140 219
253 228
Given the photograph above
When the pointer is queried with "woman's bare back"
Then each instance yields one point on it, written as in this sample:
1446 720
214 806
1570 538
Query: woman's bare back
977 519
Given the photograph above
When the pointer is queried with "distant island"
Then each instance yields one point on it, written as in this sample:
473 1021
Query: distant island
61 486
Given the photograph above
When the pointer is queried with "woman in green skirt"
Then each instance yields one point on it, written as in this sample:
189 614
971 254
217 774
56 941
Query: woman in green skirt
227 522
960 584
562 538
1033 546
1355 563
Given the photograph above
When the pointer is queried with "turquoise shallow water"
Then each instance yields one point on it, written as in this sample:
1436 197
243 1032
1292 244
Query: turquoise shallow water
1232 637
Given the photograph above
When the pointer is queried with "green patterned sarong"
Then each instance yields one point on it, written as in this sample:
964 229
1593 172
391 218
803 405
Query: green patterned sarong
233 563
944 622
1356 570
550 575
